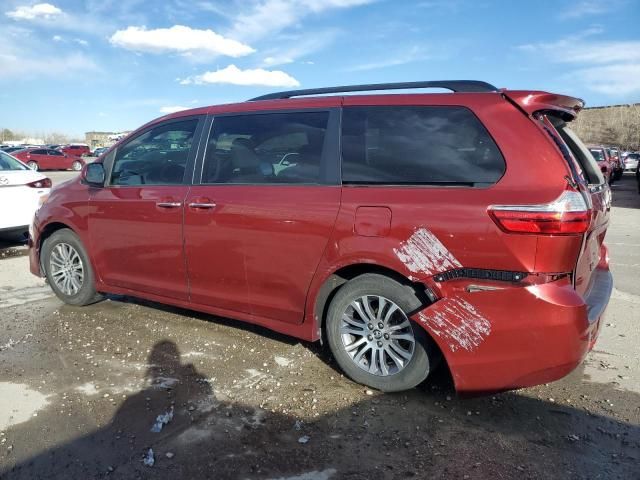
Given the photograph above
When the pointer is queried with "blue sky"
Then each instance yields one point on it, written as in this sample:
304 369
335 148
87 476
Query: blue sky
73 66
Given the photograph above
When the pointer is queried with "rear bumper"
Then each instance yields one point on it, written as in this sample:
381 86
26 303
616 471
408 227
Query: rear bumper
517 336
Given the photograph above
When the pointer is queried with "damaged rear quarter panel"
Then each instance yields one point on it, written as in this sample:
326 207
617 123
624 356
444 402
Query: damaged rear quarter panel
491 341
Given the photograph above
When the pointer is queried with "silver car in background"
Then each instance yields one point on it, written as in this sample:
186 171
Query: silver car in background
631 162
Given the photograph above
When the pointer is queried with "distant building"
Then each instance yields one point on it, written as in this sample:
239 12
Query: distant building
103 139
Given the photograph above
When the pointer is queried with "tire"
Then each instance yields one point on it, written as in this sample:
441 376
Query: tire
76 166
62 253
398 377
33 165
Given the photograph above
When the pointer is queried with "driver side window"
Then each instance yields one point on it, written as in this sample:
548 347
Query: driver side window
156 157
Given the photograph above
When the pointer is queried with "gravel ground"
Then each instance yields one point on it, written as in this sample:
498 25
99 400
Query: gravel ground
81 389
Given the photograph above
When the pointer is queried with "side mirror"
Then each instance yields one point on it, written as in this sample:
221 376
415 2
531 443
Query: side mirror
93 174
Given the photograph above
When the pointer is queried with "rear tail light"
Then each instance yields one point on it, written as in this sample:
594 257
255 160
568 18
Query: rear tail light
44 183
567 215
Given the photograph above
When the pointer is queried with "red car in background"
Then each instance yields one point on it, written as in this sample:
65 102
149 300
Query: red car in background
49 159
601 154
617 162
75 149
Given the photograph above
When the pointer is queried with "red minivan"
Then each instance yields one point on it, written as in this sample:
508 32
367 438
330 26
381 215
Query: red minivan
49 159
404 230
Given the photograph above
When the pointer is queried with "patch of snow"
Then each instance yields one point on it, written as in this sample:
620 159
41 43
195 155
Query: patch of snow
315 475
283 361
19 403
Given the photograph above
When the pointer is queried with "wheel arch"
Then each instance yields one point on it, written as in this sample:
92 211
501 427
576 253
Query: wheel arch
339 276
48 230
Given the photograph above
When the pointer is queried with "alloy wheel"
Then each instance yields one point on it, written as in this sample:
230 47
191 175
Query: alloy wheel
67 270
377 335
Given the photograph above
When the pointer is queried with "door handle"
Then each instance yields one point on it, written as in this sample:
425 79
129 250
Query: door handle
202 205
168 204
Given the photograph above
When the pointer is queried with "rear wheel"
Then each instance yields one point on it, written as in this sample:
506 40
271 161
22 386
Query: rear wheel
76 166
32 165
68 269
372 338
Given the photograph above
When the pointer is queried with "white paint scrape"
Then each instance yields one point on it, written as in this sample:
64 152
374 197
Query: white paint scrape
315 475
19 403
457 322
423 253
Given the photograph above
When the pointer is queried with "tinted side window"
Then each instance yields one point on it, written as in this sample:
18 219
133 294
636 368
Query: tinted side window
54 153
38 152
266 148
417 145
156 157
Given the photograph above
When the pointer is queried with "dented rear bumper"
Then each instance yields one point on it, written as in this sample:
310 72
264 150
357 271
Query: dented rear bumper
514 336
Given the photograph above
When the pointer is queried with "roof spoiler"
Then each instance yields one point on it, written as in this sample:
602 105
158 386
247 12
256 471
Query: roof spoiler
534 101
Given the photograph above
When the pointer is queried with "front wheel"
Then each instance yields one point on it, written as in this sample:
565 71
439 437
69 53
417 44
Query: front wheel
76 166
32 165
372 338
68 269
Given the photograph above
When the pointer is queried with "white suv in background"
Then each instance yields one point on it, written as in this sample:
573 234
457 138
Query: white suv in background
22 191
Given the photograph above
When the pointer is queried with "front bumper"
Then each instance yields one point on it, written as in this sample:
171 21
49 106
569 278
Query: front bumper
33 242
516 337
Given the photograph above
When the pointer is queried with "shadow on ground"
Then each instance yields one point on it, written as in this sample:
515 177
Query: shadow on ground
422 433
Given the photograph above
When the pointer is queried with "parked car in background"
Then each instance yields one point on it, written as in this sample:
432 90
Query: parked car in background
22 191
366 233
12 150
49 159
601 155
631 162
99 151
616 162
76 149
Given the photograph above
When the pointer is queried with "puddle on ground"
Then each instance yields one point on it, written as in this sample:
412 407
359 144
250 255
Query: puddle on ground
19 403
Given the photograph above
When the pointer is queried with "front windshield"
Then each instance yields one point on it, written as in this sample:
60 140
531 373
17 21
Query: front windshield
7 162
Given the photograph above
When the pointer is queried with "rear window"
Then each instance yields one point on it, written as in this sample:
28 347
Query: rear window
575 152
417 145
597 154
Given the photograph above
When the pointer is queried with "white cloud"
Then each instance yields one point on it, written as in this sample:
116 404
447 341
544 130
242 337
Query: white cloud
608 67
57 38
82 42
33 12
412 55
297 46
17 65
615 80
279 60
590 7
178 39
270 16
572 50
235 76
173 109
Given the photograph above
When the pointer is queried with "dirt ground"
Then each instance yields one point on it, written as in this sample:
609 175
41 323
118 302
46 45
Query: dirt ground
81 388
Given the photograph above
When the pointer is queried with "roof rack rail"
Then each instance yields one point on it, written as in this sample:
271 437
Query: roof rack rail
467 86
